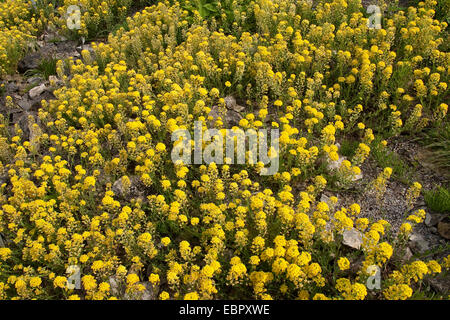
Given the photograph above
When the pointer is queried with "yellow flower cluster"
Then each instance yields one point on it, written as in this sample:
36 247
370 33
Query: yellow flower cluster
94 15
16 31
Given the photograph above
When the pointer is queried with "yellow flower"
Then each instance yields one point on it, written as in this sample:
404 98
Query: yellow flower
343 263
164 295
60 282
160 147
191 296
154 279
165 241
89 282
35 282
5 253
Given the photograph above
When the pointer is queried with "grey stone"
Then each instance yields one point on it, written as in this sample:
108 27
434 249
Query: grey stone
334 165
135 190
230 103
35 80
11 87
22 121
428 219
352 238
150 293
327 200
440 284
418 243
114 287
443 228
433 219
408 254
87 47
30 61
232 117
2 242
24 104
36 91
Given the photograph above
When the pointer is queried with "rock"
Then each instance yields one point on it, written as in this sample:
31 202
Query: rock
48 37
23 123
48 50
418 243
230 103
440 284
149 293
24 104
36 101
214 113
117 290
11 87
34 142
408 255
35 80
135 190
356 264
334 165
232 117
427 219
433 219
327 200
239 108
29 62
352 238
87 47
443 228
114 287
55 81
36 91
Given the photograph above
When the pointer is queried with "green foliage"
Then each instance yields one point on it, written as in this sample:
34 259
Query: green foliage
348 148
387 158
206 8
437 140
438 200
46 68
